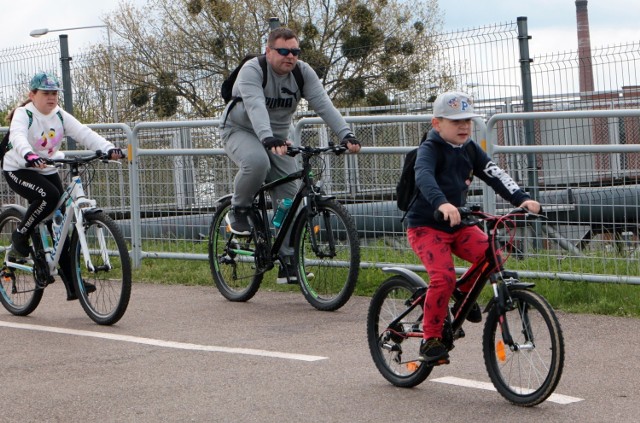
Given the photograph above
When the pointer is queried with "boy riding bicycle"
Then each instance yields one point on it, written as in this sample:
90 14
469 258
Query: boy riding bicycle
444 190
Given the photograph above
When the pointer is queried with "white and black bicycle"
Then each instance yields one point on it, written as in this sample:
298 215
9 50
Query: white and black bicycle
98 252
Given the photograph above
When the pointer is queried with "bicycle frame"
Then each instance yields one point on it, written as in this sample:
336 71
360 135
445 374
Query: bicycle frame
76 205
304 197
488 269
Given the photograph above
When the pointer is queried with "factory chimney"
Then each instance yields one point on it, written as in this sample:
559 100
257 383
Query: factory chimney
584 48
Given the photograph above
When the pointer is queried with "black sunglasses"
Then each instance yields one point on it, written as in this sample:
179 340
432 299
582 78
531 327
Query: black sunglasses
286 51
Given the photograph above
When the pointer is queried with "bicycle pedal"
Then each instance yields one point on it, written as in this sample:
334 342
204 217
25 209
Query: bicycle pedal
441 362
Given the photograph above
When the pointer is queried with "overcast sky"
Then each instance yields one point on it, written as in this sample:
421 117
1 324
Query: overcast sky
551 23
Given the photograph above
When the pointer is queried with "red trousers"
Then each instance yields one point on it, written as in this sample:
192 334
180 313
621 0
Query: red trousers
435 249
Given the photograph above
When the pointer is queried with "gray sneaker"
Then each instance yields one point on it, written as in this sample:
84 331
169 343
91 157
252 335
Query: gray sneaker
289 274
238 221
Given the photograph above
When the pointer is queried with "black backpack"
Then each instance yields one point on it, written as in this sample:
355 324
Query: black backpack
227 84
406 190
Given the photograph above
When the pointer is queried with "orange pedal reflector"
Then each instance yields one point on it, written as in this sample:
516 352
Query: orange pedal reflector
316 229
412 366
500 351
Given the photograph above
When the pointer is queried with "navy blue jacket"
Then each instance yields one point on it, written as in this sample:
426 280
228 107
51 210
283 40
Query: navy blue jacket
449 180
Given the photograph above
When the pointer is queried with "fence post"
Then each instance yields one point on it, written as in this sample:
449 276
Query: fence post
529 128
66 82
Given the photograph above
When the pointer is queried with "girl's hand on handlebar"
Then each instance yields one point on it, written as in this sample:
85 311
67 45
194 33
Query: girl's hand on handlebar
531 205
33 160
115 154
450 213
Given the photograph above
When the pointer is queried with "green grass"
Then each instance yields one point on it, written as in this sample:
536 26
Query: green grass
572 297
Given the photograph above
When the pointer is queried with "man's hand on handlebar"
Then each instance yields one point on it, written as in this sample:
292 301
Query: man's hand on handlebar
351 143
276 145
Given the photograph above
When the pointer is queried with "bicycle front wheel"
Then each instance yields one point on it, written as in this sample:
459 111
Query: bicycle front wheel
232 259
18 291
112 270
529 372
327 255
394 352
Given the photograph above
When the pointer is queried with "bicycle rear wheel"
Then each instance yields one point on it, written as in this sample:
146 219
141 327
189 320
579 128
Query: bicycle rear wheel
526 375
327 255
394 353
232 259
112 275
18 292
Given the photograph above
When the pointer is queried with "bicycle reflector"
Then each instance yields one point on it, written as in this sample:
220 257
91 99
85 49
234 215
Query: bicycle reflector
500 352
316 229
412 366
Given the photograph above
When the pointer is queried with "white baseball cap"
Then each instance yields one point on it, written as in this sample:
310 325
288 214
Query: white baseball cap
454 105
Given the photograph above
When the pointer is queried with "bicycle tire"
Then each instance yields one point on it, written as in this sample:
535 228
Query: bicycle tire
395 355
327 275
108 303
527 376
233 266
18 292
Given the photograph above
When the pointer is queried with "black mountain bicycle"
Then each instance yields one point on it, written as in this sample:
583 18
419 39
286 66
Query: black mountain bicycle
325 241
522 342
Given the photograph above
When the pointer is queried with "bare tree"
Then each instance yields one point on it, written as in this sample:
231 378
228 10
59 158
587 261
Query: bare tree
172 56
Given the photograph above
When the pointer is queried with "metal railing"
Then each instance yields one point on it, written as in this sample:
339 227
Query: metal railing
165 199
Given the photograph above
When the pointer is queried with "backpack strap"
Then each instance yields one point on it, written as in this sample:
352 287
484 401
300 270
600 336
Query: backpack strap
262 60
30 114
471 151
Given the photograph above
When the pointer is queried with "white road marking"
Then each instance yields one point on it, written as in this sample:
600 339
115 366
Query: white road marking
164 344
557 398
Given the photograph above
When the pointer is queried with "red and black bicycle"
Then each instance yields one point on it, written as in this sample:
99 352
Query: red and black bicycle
522 341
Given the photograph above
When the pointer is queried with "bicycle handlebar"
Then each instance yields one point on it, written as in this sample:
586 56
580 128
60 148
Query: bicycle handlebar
97 155
312 151
471 216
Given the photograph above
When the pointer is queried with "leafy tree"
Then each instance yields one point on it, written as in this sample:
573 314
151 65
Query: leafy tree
365 52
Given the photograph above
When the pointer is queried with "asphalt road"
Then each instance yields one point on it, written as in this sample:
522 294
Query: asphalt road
185 354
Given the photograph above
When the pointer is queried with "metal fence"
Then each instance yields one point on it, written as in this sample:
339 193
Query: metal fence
584 167
166 197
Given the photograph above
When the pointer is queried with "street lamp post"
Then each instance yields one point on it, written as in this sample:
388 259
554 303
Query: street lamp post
66 71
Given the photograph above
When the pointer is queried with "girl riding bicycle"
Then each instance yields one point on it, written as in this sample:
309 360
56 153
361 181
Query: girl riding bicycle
444 190
37 129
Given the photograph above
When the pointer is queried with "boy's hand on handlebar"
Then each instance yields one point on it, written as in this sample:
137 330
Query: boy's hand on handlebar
33 160
531 205
450 213
276 145
115 154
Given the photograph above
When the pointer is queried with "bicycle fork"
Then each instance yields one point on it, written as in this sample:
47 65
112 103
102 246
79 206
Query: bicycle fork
314 232
503 301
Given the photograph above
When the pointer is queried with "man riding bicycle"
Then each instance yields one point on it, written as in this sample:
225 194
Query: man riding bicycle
255 129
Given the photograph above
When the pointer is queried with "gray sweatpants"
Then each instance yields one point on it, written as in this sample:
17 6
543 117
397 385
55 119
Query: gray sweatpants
256 166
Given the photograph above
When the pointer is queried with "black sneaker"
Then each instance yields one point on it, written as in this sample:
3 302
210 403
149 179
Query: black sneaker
88 287
20 245
475 314
238 221
433 352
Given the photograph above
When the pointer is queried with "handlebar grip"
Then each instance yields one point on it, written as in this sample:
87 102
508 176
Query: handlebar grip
438 216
